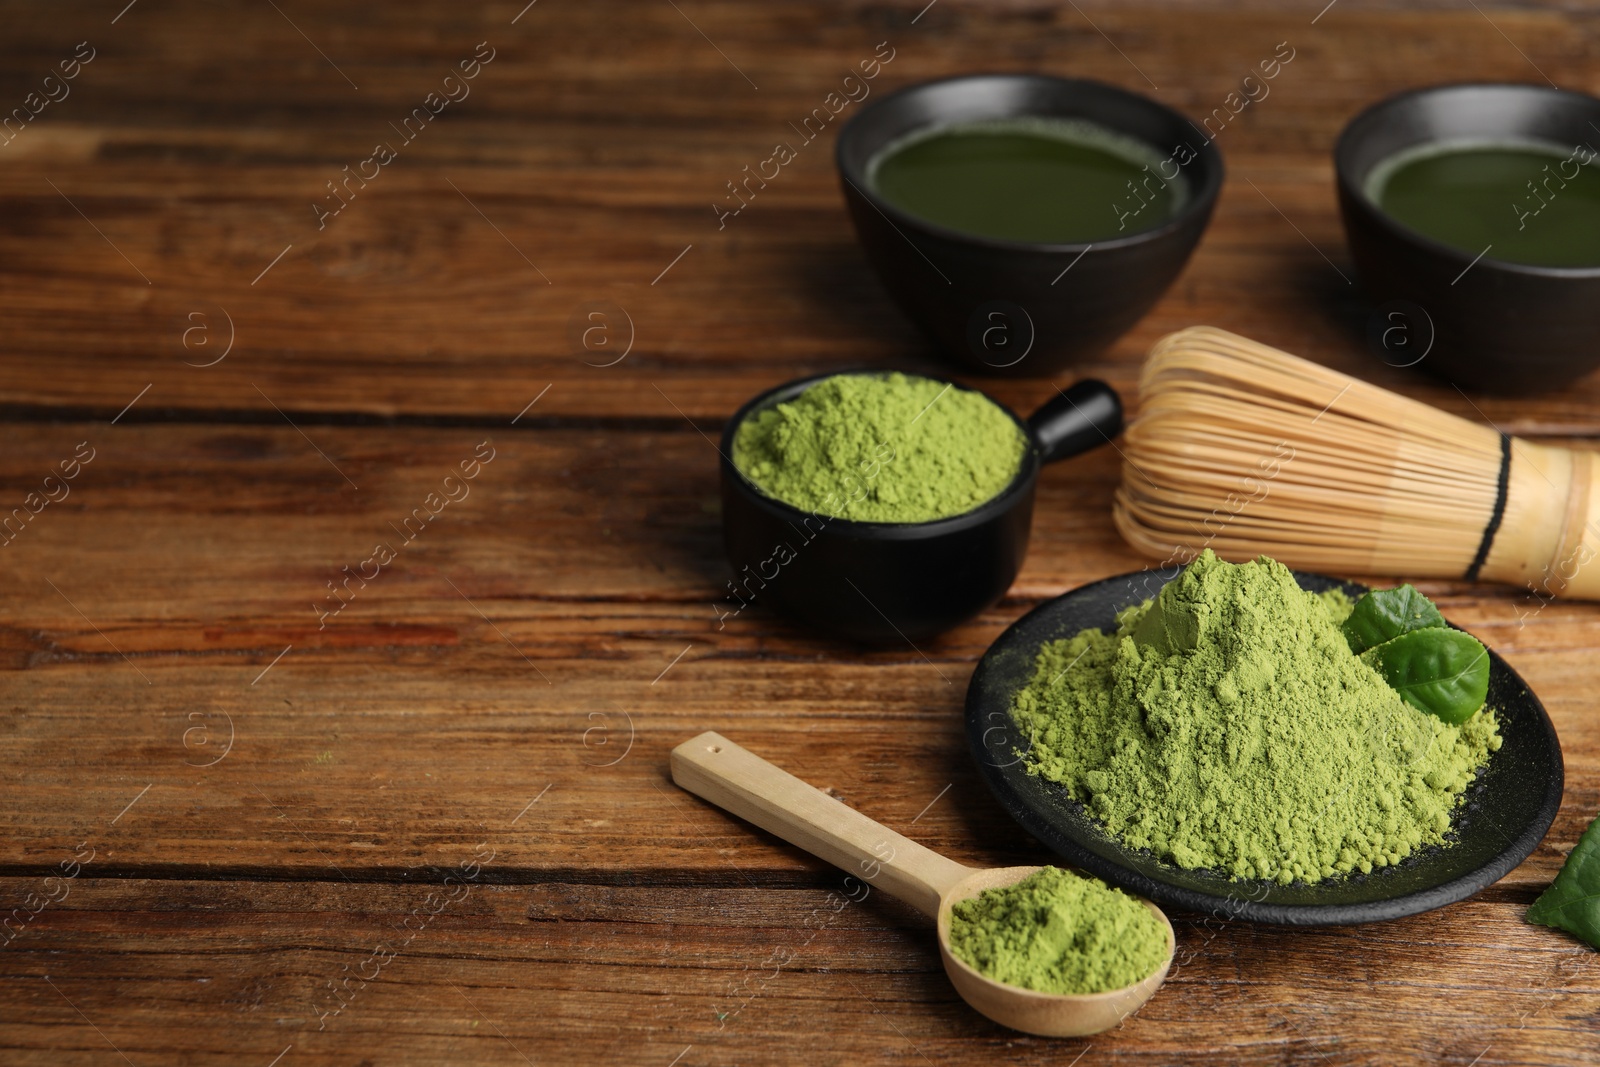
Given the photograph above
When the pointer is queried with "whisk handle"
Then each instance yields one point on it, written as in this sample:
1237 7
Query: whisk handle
1549 541
1085 416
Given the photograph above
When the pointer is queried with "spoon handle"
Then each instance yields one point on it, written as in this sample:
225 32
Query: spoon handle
712 767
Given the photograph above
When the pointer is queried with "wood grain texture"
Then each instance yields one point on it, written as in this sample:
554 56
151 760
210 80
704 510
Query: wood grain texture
595 145
635 975
270 792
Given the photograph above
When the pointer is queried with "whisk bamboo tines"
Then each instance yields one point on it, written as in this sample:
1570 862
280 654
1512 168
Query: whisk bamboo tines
1247 450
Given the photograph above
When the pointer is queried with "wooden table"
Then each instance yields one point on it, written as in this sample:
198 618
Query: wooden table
426 818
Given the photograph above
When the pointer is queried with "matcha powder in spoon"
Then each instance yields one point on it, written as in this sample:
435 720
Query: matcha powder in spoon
881 448
1056 932
1226 724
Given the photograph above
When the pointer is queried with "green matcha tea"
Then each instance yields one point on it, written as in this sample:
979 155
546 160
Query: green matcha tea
1226 724
1056 932
881 448
1525 202
1035 179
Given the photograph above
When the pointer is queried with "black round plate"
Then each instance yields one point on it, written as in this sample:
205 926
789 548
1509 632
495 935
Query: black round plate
1508 809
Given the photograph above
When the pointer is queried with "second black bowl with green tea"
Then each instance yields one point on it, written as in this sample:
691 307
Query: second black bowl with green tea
1025 221
1479 206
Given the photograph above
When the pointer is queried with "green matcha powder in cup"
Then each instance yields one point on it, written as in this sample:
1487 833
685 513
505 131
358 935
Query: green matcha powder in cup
881 448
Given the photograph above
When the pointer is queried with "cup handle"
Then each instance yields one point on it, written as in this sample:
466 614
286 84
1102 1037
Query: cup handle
1085 416
738 780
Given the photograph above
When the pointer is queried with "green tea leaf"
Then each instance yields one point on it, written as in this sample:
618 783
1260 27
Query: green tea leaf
1384 614
1443 672
1572 902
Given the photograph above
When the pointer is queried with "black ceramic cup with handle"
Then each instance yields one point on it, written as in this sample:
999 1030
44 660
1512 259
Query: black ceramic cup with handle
894 582
1018 308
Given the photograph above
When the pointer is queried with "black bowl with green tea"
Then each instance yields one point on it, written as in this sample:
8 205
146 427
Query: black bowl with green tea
1524 201
1021 220
1473 215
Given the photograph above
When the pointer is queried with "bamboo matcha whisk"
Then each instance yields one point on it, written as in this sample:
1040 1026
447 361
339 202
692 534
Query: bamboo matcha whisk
1248 450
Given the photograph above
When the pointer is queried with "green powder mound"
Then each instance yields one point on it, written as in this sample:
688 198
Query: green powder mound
1338 604
1058 933
1227 725
881 448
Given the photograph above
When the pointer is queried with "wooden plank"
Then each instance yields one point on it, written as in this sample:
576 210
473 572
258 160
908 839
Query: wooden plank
508 648
378 777
187 536
222 522
340 769
715 973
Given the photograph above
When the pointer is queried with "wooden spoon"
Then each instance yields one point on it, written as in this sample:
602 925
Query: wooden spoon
743 783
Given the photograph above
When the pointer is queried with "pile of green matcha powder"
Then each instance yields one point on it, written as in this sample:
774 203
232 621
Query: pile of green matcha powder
881 448
1226 724
1056 932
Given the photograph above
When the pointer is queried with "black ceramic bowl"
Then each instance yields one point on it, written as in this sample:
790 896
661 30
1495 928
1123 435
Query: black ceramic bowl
1495 325
1009 307
882 582
1507 811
